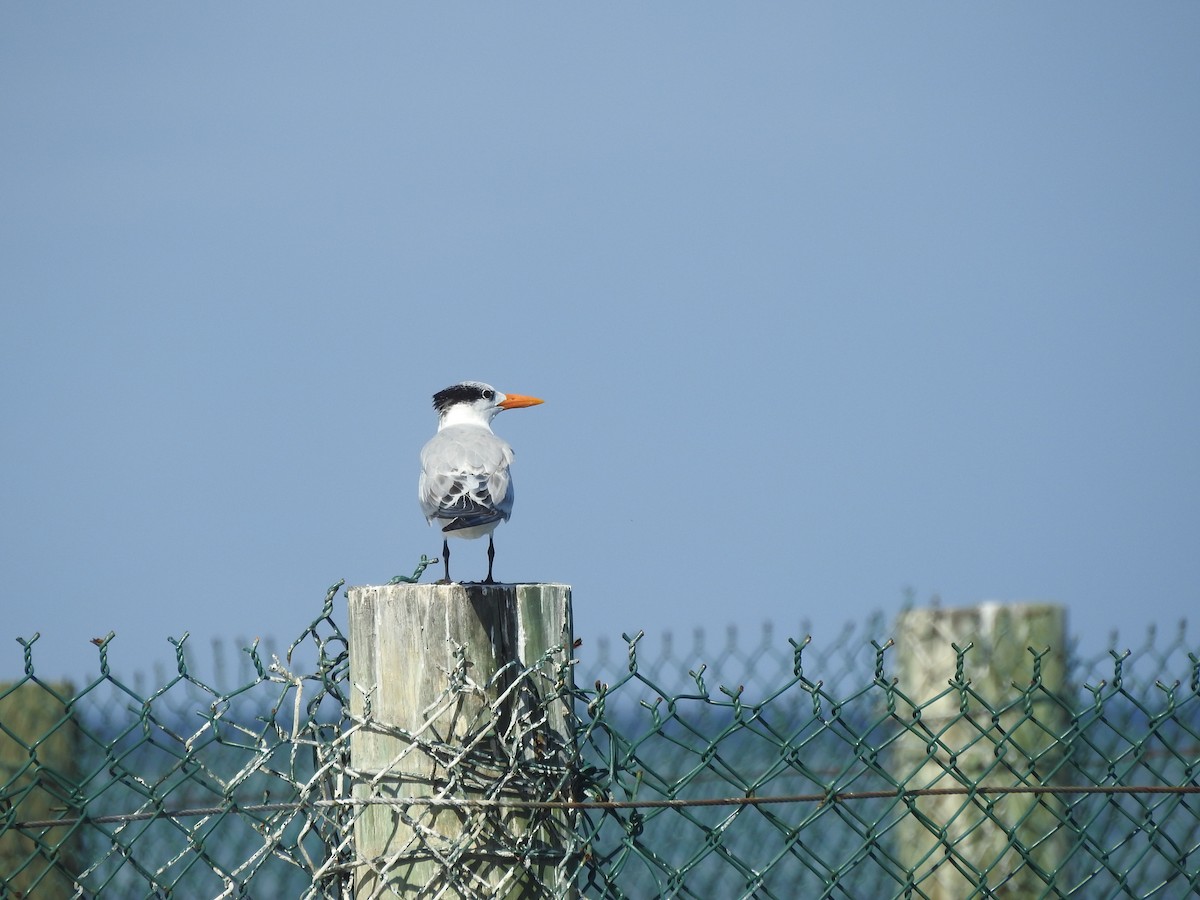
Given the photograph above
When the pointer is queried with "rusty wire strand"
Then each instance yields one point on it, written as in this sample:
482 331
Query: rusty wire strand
469 804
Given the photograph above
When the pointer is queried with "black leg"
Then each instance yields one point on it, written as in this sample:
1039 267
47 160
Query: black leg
491 559
446 557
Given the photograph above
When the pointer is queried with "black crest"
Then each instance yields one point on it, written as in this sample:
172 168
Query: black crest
467 392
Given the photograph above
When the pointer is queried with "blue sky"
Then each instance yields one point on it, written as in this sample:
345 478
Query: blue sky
825 302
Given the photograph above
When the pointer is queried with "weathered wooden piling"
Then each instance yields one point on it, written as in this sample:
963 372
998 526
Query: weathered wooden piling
463 692
987 716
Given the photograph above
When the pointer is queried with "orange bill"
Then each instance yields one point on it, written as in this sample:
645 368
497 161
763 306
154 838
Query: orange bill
516 401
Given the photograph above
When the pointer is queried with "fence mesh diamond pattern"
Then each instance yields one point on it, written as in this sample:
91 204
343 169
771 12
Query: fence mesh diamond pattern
782 769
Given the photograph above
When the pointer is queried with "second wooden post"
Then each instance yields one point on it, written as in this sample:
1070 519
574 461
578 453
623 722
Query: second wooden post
992 718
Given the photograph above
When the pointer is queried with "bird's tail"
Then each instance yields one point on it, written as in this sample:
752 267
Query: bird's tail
467 513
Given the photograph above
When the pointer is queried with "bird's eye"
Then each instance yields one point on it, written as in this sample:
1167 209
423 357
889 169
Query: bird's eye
489 395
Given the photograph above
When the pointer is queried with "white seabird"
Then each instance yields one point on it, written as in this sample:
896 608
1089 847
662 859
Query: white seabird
465 484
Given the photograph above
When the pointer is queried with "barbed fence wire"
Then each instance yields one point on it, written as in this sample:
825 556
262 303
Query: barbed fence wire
743 767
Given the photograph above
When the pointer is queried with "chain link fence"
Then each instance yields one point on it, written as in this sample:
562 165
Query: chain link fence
752 766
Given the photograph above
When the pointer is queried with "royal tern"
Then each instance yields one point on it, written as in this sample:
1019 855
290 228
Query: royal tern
465 484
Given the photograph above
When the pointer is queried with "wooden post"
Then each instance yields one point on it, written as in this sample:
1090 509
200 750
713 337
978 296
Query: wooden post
39 748
465 693
998 726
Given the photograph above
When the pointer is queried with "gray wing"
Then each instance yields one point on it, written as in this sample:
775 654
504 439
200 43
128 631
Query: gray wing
465 480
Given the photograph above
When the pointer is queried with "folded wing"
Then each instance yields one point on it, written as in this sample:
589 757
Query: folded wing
465 481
